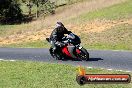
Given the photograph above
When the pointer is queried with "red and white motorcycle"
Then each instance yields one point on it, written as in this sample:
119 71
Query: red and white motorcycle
72 49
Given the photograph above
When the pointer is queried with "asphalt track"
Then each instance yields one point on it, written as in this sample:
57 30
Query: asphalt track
119 60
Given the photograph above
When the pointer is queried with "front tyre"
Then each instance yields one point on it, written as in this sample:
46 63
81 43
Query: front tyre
83 55
56 55
51 52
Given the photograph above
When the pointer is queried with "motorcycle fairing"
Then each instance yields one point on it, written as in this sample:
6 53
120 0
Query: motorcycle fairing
71 49
65 50
78 51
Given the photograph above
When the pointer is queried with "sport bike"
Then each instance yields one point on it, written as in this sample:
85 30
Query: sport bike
71 49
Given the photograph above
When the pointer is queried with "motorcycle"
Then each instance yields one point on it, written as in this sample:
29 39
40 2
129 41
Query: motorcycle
72 49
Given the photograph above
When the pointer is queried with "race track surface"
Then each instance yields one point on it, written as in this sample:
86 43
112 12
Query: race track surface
119 60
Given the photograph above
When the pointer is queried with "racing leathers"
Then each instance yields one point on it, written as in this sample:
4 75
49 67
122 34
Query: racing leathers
57 35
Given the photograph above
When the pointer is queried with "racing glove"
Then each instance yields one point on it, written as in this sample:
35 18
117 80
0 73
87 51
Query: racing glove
60 44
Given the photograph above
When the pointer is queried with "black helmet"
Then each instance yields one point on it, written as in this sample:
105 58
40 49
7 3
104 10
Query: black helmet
58 24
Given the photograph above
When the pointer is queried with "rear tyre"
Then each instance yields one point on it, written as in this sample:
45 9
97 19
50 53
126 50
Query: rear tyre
84 55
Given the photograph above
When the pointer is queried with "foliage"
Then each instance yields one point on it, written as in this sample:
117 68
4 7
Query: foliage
10 10
43 6
29 4
46 8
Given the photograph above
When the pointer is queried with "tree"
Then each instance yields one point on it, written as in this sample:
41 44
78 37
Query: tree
50 7
46 8
10 10
42 6
29 4
38 3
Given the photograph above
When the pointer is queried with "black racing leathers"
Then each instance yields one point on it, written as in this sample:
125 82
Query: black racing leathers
57 35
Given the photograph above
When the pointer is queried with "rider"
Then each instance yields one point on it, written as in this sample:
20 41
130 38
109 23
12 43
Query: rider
57 35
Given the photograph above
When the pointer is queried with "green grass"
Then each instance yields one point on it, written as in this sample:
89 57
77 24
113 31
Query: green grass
22 74
116 38
118 11
5 28
67 2
33 44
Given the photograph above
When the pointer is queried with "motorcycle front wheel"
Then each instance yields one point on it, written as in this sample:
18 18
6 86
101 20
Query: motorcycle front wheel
83 55
56 55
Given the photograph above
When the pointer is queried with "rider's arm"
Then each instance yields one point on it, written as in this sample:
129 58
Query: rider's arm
66 31
55 39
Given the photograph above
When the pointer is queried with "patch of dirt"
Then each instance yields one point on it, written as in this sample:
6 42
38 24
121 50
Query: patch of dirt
98 25
94 26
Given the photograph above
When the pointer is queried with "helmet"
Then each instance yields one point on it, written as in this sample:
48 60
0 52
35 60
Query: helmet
59 24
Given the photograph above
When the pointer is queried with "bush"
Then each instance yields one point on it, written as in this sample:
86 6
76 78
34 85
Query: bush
10 11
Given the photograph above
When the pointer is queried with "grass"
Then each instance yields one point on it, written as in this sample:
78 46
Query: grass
22 74
116 38
118 11
7 30
68 2
33 44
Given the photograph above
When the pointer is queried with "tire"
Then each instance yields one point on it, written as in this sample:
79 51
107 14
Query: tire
56 55
84 55
51 52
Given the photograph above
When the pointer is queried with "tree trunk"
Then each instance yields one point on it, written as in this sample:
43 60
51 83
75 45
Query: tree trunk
30 10
37 10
